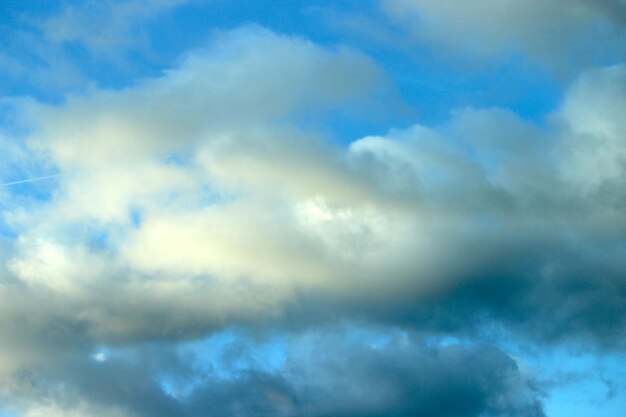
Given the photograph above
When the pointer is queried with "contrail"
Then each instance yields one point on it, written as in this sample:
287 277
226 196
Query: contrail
47 177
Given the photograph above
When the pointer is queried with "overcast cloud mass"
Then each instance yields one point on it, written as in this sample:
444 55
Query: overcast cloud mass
219 209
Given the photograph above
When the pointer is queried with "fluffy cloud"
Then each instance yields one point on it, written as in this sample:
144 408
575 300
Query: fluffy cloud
137 184
197 203
196 200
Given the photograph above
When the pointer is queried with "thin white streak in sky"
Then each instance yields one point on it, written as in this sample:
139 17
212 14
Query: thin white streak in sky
47 177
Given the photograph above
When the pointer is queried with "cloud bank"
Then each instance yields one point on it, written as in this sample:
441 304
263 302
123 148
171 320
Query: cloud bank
200 200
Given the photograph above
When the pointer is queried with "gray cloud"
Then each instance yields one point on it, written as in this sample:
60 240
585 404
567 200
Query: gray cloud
565 34
336 376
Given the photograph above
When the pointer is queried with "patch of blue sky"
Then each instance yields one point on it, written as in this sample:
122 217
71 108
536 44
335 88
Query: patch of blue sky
292 18
21 191
589 385
225 355
6 232
343 126
8 118
14 10
577 383
24 176
99 239
136 217
433 84
233 350
101 354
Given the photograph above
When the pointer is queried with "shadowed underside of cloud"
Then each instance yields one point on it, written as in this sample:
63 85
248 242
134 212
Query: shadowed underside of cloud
325 374
196 201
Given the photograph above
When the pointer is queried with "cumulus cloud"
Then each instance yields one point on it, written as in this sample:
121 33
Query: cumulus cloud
135 171
171 206
195 201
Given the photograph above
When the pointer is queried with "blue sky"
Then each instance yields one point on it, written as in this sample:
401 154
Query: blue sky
321 208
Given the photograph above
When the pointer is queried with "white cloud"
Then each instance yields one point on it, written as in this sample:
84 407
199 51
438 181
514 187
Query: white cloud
165 194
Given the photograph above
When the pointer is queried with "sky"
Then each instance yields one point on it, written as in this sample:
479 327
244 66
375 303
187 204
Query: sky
349 208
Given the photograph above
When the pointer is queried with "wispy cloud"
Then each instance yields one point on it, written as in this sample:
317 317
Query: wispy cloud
119 24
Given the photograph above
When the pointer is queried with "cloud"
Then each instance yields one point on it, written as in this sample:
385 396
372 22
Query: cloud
594 112
134 169
196 200
248 78
563 33
326 372
185 188
515 211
